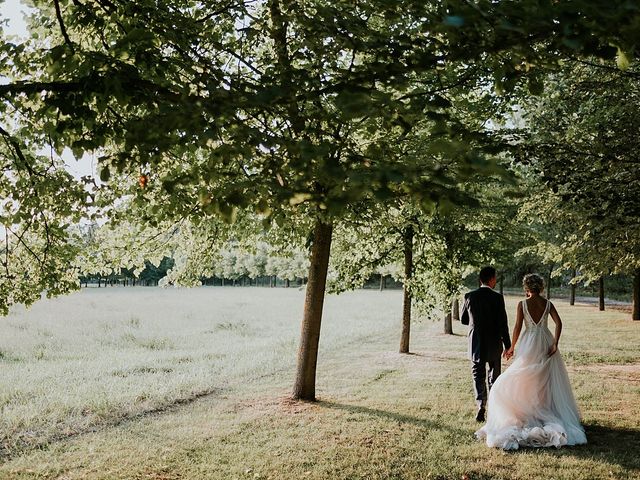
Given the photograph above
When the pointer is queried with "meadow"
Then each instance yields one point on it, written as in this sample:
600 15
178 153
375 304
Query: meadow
186 384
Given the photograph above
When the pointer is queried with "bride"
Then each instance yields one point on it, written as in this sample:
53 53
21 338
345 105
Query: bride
531 404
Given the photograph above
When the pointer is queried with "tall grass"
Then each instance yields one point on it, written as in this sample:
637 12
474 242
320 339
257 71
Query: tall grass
73 363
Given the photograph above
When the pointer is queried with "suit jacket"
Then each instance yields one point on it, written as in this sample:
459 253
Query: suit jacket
484 311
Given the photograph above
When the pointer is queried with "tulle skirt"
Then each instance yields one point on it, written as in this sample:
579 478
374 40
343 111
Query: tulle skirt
531 404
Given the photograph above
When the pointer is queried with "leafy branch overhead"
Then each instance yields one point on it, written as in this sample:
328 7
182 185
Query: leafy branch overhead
289 110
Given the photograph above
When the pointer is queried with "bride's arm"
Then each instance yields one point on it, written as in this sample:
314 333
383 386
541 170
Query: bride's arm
516 330
558 322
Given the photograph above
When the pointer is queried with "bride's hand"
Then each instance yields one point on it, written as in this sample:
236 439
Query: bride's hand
509 353
553 349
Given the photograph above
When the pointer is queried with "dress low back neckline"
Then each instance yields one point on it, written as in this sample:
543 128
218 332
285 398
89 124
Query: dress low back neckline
544 313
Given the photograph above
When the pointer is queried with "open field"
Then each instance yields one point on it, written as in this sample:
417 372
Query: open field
148 383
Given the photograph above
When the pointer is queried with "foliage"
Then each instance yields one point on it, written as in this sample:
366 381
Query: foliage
201 109
580 145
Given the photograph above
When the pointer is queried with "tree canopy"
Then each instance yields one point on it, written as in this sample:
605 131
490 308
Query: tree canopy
298 112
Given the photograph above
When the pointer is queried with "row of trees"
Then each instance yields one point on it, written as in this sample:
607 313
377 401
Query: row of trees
309 117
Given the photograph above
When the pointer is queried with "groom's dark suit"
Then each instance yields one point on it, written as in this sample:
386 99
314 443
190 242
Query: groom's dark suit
484 311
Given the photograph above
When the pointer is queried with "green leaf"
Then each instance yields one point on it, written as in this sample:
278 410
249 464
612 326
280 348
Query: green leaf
105 174
353 104
622 60
535 85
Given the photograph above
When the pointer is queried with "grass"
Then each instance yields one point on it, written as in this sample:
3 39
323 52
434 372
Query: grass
188 384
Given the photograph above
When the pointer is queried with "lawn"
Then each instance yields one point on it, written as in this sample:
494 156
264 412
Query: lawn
147 383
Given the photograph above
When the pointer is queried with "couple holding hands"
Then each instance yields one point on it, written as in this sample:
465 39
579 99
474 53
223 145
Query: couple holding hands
531 404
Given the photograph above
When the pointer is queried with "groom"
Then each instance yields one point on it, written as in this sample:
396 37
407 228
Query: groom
485 313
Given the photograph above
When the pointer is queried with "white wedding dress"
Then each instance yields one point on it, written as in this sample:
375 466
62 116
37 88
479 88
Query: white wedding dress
531 404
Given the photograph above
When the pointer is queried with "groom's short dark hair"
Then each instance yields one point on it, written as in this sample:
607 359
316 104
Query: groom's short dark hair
486 274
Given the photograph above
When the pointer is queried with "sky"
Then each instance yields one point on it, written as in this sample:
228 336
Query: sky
12 11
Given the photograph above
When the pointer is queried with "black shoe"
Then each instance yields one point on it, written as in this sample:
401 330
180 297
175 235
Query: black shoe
480 415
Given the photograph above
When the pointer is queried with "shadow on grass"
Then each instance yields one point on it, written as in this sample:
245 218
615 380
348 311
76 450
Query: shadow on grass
614 445
11 447
395 417
435 356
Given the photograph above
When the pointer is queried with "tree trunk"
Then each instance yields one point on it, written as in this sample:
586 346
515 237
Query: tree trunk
549 282
406 302
572 293
601 294
286 283
305 384
635 315
455 310
501 285
448 327
381 282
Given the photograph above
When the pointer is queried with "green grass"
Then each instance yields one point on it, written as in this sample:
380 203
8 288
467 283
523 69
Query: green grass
189 384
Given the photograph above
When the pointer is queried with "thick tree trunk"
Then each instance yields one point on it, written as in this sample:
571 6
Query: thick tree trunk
635 314
381 282
549 282
406 302
286 283
501 284
448 327
601 294
455 310
572 293
305 384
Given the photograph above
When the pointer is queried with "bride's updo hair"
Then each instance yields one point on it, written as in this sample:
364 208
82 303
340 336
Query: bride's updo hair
532 282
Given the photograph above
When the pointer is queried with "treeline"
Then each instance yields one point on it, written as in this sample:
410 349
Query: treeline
239 269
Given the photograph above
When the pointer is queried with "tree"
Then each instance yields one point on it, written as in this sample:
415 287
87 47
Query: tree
199 109
581 145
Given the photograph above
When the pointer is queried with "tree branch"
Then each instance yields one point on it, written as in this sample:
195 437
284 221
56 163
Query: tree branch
63 29
18 152
21 240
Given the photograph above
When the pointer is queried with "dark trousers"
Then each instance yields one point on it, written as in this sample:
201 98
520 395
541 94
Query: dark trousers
479 370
